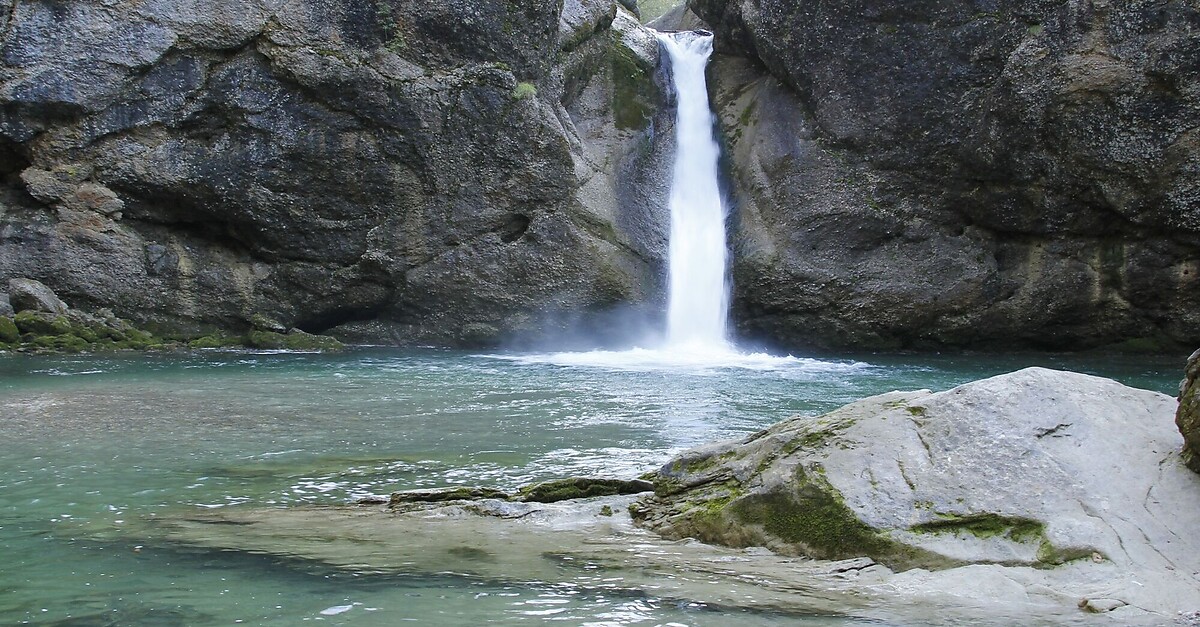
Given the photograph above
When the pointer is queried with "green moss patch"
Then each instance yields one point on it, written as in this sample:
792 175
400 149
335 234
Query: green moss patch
39 323
579 488
524 91
1049 556
8 331
665 485
635 93
216 340
296 341
985 525
814 517
72 333
816 434
448 494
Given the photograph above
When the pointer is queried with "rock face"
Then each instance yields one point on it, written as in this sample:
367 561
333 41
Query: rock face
1187 417
401 171
1065 480
42 322
1018 173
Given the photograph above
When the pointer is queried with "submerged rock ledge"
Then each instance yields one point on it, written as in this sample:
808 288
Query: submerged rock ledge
1029 496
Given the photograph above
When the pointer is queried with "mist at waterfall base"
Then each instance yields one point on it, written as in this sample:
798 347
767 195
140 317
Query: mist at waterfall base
698 300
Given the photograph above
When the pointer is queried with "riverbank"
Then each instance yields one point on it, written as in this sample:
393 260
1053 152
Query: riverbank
33 319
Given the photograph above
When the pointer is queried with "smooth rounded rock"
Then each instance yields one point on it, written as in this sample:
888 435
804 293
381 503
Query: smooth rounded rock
31 295
1057 478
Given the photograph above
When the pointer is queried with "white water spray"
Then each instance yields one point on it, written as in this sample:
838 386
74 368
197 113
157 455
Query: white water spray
698 301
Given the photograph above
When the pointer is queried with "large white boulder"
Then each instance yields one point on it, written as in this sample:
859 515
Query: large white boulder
1040 481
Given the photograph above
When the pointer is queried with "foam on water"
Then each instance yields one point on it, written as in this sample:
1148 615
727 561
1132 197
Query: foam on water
697 359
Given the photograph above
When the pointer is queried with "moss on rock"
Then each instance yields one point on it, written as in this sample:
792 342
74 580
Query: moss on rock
8 331
41 323
814 517
985 525
580 488
1187 416
217 340
295 341
634 90
446 494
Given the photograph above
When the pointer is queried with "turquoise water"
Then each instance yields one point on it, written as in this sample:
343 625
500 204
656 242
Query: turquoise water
94 449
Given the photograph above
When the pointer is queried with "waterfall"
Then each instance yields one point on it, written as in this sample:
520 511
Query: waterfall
698 300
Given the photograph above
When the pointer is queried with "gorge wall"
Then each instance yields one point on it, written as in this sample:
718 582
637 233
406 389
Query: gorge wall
994 174
389 170
990 174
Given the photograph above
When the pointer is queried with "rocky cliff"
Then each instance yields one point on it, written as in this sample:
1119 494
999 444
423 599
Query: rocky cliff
390 170
987 174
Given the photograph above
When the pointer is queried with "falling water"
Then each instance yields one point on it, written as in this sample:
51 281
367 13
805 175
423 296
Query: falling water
698 302
699 297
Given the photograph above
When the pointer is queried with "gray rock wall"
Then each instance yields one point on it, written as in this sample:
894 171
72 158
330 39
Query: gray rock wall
994 175
398 171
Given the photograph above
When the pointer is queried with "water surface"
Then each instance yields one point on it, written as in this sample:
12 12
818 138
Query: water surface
93 447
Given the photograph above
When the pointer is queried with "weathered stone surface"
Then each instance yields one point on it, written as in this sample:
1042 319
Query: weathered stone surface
1187 416
67 188
952 174
404 171
6 308
31 295
1067 475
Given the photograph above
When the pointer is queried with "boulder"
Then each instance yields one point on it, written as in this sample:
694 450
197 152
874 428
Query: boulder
1187 417
67 187
1055 478
295 340
9 333
31 295
6 308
